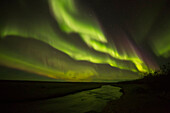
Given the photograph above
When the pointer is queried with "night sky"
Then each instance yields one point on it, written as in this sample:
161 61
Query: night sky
85 40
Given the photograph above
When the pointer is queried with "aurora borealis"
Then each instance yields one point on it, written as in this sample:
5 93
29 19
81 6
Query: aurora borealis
74 40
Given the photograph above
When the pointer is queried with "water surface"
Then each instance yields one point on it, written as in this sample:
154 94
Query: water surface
81 102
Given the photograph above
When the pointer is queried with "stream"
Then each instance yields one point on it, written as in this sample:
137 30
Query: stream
82 102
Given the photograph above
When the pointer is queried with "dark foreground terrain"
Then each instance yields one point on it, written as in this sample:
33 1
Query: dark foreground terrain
24 91
140 98
148 95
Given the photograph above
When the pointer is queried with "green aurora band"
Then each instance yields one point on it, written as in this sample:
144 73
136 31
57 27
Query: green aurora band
71 20
74 24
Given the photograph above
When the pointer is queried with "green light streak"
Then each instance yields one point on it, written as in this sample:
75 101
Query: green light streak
161 46
98 46
70 20
70 75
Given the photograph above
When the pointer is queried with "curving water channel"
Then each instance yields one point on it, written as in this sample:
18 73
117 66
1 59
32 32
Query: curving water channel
82 102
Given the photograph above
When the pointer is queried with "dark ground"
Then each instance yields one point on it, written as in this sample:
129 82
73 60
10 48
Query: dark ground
140 98
23 91
148 95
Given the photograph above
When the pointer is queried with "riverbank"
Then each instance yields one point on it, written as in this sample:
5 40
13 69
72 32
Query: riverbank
148 95
25 91
36 97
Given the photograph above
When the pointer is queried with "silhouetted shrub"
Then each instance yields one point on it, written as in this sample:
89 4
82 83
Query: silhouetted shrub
159 79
